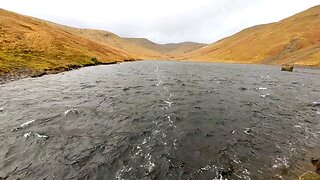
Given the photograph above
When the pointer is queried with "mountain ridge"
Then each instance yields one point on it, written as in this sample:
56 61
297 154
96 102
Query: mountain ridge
170 49
30 46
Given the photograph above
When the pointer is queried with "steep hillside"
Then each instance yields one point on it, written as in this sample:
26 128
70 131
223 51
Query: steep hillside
171 49
292 40
29 46
121 44
32 47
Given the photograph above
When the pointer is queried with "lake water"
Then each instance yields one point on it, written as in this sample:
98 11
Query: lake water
161 120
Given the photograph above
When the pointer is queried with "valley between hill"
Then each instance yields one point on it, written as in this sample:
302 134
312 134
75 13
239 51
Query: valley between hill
33 47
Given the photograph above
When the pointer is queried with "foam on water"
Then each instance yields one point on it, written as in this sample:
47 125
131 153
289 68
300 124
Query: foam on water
40 135
281 162
26 123
27 135
262 88
169 103
71 112
264 95
316 103
247 131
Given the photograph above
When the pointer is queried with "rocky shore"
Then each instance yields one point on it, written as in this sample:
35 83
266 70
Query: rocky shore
25 73
309 176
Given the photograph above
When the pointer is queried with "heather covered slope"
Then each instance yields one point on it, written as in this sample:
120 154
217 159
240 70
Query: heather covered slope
292 40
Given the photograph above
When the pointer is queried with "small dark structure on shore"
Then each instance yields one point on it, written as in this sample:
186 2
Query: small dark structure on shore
287 67
316 163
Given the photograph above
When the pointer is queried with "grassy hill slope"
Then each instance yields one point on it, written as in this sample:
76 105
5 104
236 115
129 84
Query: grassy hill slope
292 40
121 44
31 47
172 49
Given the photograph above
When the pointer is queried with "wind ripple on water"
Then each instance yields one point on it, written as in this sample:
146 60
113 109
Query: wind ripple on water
161 120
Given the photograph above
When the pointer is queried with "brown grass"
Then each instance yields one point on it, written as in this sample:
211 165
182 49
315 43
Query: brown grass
292 40
30 46
170 50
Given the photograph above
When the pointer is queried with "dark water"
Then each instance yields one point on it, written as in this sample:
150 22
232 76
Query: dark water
161 120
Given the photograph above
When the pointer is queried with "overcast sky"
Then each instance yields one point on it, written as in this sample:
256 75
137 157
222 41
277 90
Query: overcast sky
162 21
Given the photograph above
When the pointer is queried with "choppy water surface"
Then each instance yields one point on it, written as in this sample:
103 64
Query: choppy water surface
161 120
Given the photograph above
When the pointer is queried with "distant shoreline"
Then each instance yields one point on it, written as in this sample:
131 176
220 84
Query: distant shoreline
14 77
237 62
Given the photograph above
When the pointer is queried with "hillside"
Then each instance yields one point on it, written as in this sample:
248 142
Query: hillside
292 40
32 47
171 49
114 41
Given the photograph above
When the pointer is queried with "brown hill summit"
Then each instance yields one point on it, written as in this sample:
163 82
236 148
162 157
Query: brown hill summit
30 46
121 44
295 40
170 49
